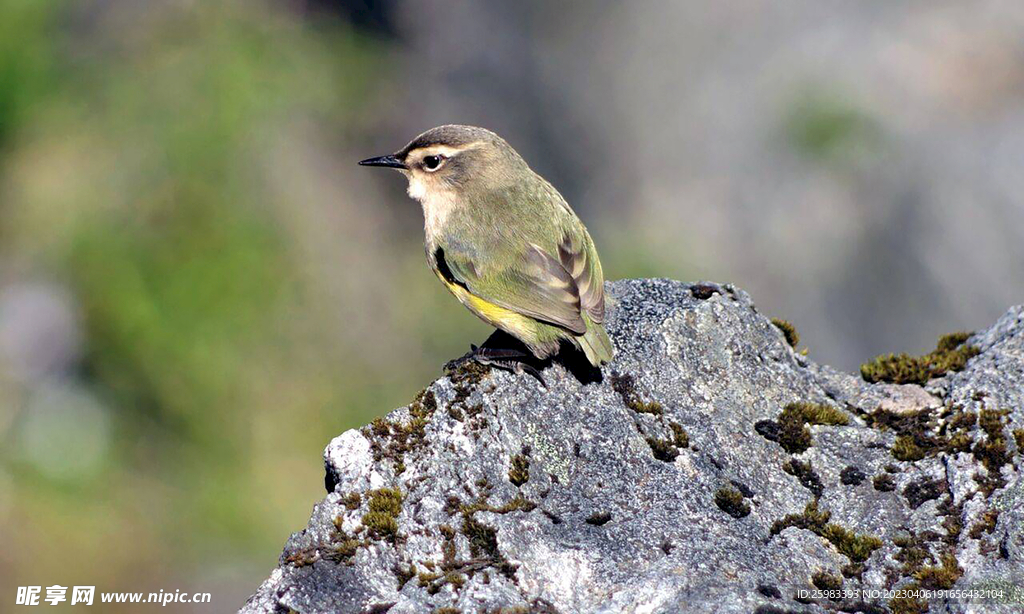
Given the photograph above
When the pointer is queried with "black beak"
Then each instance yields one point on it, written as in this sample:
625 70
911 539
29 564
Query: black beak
389 161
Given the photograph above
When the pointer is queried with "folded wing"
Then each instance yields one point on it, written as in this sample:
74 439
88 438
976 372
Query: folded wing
553 288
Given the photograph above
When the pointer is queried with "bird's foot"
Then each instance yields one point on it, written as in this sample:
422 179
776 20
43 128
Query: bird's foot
454 364
506 360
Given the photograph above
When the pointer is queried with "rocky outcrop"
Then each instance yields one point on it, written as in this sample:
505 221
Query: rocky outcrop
713 469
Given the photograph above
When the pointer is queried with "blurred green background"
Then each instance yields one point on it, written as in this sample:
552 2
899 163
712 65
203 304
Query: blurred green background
199 287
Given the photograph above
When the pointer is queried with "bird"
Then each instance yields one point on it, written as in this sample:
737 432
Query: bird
505 242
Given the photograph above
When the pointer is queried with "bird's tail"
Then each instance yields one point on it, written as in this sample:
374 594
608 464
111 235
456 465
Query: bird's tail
596 344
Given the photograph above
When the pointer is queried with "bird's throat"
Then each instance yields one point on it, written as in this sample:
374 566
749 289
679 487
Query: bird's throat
438 206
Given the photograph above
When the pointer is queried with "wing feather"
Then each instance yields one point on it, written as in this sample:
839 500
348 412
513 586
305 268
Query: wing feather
536 285
578 256
556 279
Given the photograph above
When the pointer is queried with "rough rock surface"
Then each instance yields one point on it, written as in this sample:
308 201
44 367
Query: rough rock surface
668 487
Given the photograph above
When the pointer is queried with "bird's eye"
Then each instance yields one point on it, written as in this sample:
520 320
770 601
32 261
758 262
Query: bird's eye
432 163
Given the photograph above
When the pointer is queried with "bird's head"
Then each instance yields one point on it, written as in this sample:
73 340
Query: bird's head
451 160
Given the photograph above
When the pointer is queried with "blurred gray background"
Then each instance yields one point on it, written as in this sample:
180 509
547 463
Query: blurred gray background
199 287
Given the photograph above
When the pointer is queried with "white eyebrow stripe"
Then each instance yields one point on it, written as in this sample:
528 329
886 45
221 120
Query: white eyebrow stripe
445 150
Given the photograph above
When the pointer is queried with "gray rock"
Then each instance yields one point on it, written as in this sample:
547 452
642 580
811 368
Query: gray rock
589 498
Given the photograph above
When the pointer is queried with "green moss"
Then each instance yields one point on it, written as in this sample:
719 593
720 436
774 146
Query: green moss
959 442
519 473
855 547
908 605
951 354
467 374
851 476
403 575
472 508
382 519
923 434
883 482
788 331
992 422
625 386
991 451
427 580
483 540
794 437
303 557
517 503
819 413
905 449
434 580
448 549
988 484
381 526
343 550
730 501
793 434
1018 437
483 544
854 570
423 405
825 581
951 522
941 576
923 489
681 438
352 500
912 553
647 407
455 579
393 440
960 420
465 377
986 524
811 519
386 500
662 449
951 341
806 474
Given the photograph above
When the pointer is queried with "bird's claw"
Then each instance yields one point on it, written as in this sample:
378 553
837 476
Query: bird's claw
507 360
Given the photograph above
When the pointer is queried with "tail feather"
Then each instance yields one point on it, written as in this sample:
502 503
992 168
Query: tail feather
596 344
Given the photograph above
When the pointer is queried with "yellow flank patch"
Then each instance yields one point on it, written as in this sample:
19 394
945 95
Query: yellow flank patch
495 315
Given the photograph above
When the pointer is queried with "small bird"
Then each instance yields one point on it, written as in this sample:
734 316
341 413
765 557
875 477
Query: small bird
506 244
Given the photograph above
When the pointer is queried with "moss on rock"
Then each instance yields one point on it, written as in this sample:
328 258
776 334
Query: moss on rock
382 519
950 354
730 501
855 547
519 472
788 331
790 430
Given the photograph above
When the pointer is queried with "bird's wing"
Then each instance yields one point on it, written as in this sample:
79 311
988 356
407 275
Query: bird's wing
552 288
578 256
